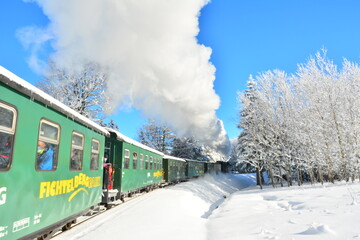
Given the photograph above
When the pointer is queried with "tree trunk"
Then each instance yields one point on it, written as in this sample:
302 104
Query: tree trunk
299 175
320 176
281 178
272 177
258 177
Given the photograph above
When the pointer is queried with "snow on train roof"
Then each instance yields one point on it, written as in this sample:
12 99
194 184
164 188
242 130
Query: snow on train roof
197 161
174 158
124 138
26 88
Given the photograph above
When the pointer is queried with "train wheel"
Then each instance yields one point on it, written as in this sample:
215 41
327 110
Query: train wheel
67 226
46 236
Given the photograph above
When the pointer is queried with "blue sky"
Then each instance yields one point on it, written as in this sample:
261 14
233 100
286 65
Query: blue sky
246 37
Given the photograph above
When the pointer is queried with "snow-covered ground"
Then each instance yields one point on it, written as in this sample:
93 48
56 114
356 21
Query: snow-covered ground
212 207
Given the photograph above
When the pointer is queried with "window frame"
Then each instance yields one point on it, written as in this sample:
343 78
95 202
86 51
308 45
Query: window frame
11 131
95 152
126 157
77 148
141 161
51 141
147 162
135 160
151 162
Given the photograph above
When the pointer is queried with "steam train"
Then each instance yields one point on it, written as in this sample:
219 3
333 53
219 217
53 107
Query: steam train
55 164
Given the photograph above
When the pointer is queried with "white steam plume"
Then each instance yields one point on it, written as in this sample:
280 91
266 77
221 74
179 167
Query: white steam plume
151 51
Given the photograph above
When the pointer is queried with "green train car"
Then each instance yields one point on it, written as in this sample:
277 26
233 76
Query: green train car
50 161
194 168
55 164
174 169
213 167
137 167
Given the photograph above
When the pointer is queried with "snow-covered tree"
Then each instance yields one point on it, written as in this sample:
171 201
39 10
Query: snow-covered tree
251 144
187 148
83 90
157 136
303 126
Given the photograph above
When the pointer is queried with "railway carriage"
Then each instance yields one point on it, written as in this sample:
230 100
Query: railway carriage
174 169
213 167
50 161
136 167
194 168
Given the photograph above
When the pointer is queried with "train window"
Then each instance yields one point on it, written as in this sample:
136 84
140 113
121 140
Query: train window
151 163
146 162
135 160
77 151
7 131
155 161
95 150
126 159
48 146
141 161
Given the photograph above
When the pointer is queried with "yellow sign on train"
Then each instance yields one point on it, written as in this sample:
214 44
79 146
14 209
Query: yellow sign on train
75 185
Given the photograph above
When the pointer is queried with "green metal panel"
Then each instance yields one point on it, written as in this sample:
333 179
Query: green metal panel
31 200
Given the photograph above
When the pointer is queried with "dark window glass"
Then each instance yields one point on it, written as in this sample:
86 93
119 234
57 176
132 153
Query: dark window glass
147 162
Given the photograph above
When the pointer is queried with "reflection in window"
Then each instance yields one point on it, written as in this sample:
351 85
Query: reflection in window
95 150
77 151
141 161
48 146
126 159
7 131
135 160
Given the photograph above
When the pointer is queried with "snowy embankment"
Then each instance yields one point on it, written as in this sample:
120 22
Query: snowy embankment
174 212
190 211
308 212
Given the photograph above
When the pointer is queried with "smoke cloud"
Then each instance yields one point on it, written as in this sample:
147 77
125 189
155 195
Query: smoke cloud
151 51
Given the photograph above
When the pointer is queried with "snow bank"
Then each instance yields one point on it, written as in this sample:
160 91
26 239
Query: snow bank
175 212
212 208
307 212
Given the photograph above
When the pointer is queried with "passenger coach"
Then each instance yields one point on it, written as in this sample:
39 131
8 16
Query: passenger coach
50 161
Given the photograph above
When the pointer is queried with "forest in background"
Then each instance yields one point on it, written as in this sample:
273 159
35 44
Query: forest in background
303 126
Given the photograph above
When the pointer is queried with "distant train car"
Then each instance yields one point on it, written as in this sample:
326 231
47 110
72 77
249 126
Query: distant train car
217 167
194 168
213 167
174 169
50 161
136 166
